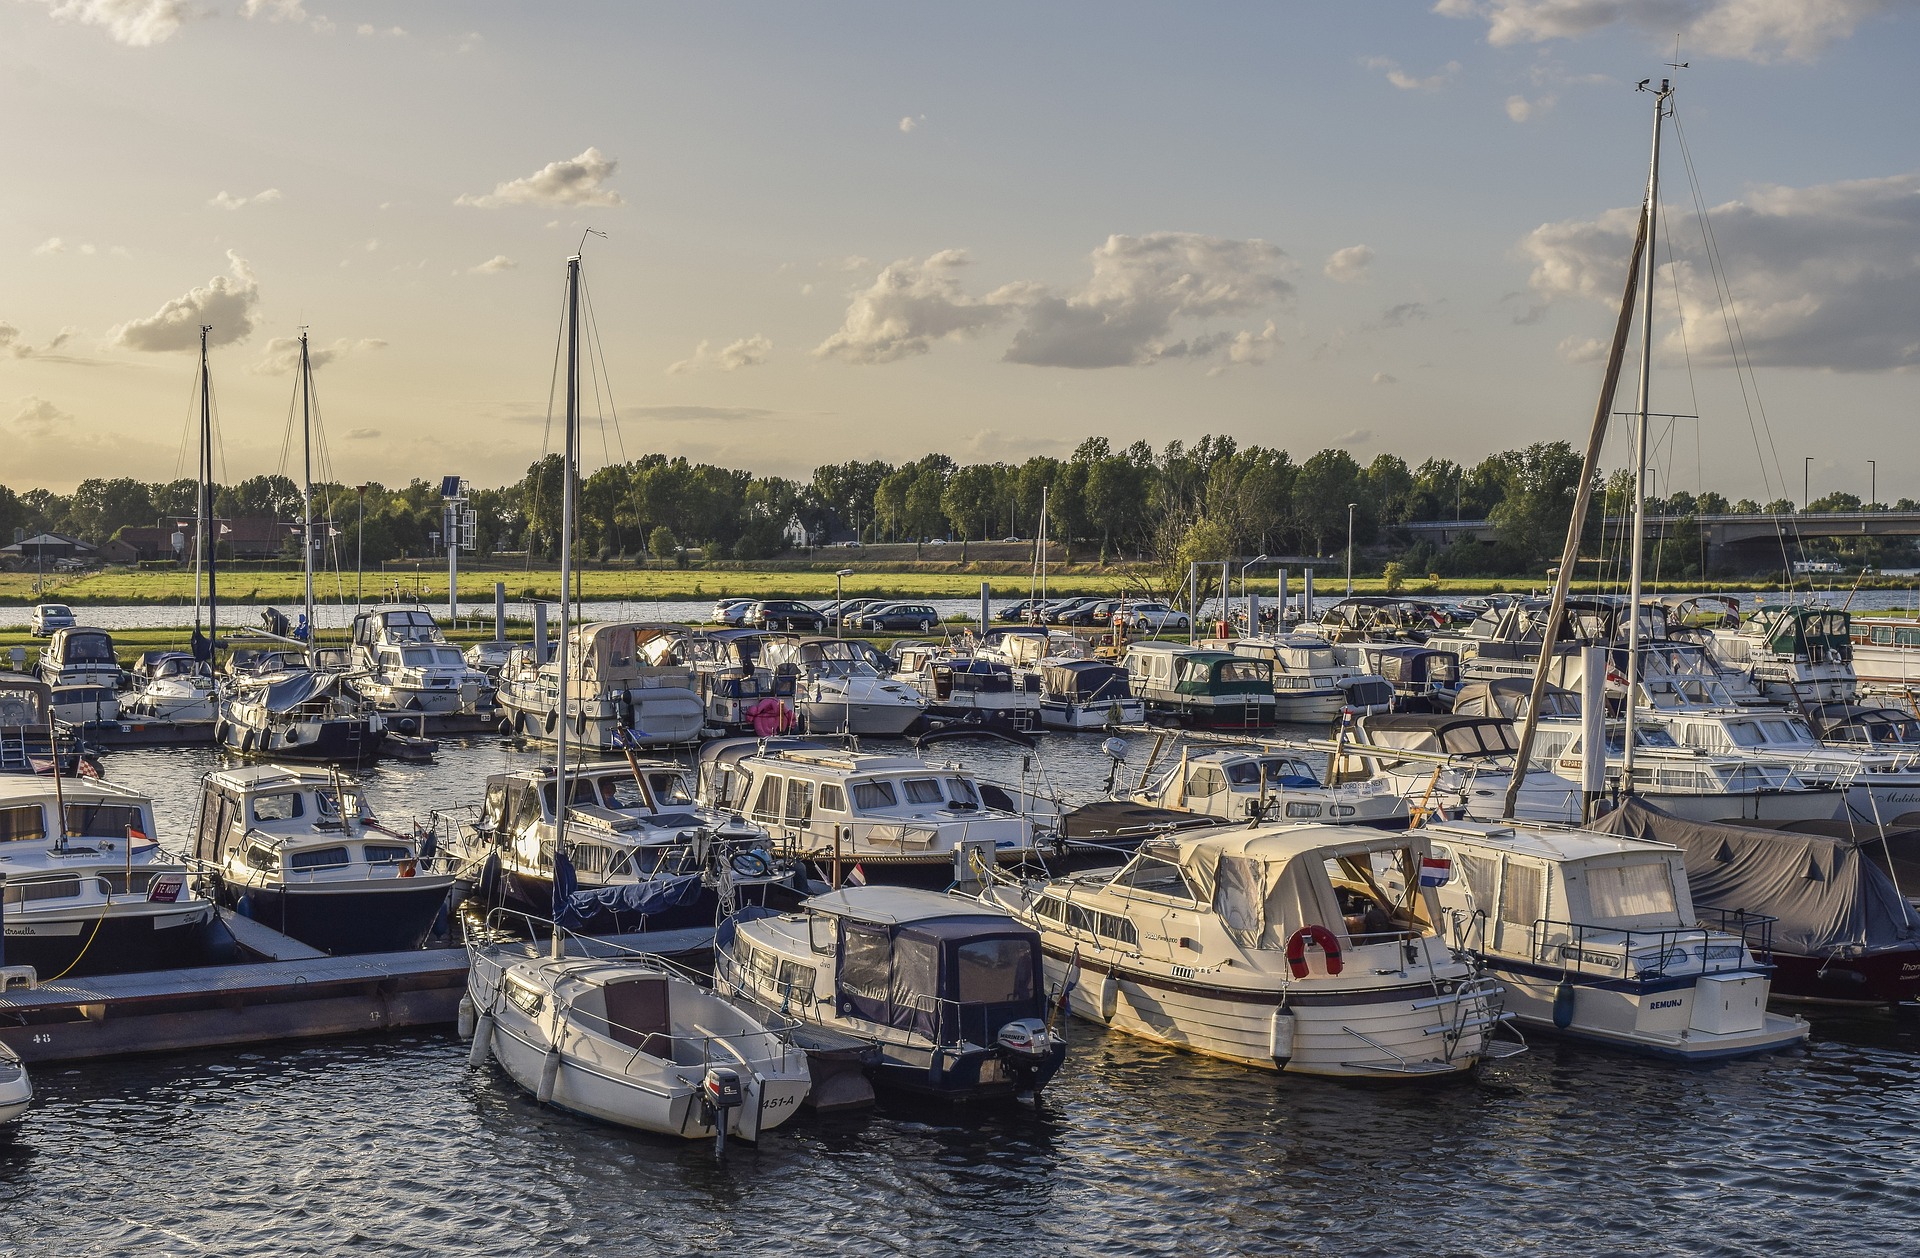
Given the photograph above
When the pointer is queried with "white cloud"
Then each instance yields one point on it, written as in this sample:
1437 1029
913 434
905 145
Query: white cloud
1381 377
9 340
749 351
1824 277
1401 315
283 353
362 434
372 246
223 200
497 263
1240 349
136 23
52 244
910 124
369 29
1411 83
909 306
228 302
575 181
1140 285
470 42
8 335
1354 437
1123 315
1750 30
1349 265
285 11
36 416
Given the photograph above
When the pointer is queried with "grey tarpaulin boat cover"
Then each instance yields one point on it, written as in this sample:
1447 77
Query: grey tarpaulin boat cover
1823 891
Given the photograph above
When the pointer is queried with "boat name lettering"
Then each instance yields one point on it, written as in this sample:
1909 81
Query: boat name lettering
1666 1004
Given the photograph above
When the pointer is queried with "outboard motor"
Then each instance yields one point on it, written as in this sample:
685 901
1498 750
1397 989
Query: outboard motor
720 1092
1030 1050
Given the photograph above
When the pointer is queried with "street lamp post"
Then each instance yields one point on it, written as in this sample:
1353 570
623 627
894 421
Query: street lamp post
1252 628
1873 483
839 609
1350 507
360 547
1806 484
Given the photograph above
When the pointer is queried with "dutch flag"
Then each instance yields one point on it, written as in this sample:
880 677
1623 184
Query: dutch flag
858 878
1435 871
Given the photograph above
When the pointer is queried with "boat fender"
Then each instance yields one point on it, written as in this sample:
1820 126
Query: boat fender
549 1075
467 1017
553 720
1563 1004
482 1041
292 735
1297 950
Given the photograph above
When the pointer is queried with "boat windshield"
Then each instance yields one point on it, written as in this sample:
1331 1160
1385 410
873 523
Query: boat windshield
433 657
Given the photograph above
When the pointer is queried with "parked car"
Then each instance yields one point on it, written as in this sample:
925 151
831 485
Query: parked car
780 613
898 618
731 611
850 545
1024 612
1152 618
1062 612
837 613
50 616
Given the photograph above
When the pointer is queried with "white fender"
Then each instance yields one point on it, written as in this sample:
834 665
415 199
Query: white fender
482 1041
1280 1035
467 1016
549 1075
1109 996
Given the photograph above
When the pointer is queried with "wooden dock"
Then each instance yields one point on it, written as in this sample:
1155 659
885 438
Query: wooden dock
301 995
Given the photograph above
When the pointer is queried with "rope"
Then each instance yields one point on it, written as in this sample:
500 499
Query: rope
90 938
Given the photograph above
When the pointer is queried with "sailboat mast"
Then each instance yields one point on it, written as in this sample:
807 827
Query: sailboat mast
1636 570
209 527
568 470
306 477
199 504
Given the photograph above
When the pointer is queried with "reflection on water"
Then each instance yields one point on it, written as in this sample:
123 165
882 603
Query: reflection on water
394 1145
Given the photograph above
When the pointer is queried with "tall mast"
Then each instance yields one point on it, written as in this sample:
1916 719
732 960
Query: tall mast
210 528
199 505
568 470
306 478
1660 99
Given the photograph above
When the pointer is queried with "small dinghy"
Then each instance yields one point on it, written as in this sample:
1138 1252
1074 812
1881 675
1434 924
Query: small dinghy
628 1039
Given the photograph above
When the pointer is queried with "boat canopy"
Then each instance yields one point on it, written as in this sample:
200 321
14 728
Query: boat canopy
1813 632
1861 723
24 701
962 976
611 652
1507 697
1822 890
1406 666
1441 735
1218 673
82 646
307 686
1267 883
1084 681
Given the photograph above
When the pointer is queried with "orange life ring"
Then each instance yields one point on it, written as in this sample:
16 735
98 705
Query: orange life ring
1297 950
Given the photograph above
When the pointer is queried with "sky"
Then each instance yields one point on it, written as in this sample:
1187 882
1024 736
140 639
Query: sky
852 231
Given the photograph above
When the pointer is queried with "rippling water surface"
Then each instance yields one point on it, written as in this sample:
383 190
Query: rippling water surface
392 1145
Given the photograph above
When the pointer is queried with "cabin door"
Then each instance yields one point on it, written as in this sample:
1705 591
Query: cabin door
1523 910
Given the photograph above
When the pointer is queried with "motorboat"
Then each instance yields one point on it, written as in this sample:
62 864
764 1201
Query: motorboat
301 714
636 838
950 989
1201 688
1277 946
31 740
80 657
403 663
1311 686
958 686
1879 782
1424 679
1886 653
16 1093
1087 694
738 693
1864 726
896 818
86 888
624 677
1842 933
300 850
86 705
171 687
836 691
1595 936
1380 619
1272 783
629 1039
1795 653
1452 765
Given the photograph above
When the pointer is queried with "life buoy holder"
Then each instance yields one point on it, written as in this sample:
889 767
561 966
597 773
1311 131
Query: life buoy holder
1297 950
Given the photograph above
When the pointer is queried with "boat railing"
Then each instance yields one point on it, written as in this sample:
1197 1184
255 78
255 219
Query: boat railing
1622 953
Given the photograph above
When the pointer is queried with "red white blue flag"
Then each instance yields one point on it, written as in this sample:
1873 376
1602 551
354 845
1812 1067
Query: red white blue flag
1435 871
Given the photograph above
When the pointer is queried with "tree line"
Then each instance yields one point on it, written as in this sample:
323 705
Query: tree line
1211 500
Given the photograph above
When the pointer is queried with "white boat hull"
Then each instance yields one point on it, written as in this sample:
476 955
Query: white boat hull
1660 1021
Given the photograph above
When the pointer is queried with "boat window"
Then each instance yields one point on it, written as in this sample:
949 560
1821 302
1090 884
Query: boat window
579 792
961 794
1289 772
1652 736
1160 877
433 657
42 889
799 801
1208 780
1298 809
923 791
622 792
283 806
526 808
1522 895
1744 734
1240 671
1051 908
494 810
523 996
262 857
24 822
328 803
865 963
386 853
318 858
103 821
669 789
1482 874
1637 890
832 798
1778 731
994 971
766 806
871 795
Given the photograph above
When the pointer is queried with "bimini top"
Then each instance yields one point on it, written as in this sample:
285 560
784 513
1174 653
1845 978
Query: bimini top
1506 698
1086 680
24 701
611 650
306 686
1440 734
900 906
82 646
1824 891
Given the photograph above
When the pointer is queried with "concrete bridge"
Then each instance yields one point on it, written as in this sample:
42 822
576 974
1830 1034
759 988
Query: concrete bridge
1733 540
